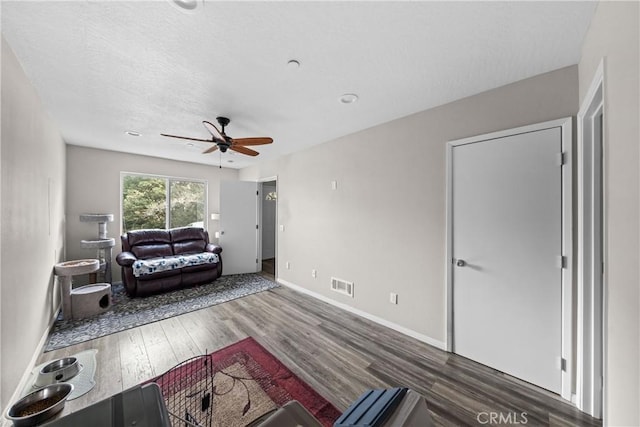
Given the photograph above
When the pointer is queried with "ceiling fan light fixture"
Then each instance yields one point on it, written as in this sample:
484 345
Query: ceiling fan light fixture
348 98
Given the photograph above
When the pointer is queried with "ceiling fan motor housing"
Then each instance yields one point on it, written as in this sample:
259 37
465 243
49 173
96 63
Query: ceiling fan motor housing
223 122
224 145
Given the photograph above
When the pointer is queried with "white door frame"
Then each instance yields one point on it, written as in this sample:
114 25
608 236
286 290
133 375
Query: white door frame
591 283
567 248
260 225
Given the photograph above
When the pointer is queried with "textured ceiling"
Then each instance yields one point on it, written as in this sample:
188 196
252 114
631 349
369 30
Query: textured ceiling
104 67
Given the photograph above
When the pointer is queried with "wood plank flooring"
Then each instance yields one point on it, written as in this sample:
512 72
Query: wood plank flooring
269 266
307 335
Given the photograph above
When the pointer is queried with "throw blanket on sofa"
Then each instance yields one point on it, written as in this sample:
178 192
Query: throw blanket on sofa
143 267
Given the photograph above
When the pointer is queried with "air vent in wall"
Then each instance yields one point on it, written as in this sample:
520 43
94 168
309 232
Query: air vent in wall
342 286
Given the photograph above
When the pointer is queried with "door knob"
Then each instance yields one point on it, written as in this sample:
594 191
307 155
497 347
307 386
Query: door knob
461 263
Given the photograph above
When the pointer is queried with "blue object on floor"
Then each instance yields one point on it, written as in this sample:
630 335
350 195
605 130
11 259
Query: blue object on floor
372 408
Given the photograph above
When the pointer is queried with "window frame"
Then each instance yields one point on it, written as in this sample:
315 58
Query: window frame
168 179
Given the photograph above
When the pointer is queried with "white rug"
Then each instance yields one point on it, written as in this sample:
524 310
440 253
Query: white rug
82 383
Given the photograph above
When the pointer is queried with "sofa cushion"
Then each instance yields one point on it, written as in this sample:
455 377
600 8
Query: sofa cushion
144 267
188 233
158 275
142 237
189 247
152 251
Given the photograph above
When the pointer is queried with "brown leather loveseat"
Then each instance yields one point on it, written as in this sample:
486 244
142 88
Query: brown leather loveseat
157 260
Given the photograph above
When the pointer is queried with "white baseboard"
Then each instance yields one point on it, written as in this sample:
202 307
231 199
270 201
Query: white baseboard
32 363
406 331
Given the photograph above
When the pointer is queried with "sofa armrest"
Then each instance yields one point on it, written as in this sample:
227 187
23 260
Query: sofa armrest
213 248
126 259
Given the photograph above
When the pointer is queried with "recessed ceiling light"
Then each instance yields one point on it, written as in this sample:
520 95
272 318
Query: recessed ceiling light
187 5
132 133
293 64
189 144
348 98
229 161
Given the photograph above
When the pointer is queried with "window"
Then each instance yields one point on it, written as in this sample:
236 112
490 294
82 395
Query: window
161 202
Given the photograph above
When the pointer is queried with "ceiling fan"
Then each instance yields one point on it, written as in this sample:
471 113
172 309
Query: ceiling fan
224 142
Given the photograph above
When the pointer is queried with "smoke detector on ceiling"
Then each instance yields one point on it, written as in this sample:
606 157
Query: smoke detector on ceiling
348 98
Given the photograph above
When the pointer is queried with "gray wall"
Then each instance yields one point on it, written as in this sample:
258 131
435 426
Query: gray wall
93 185
614 35
384 226
32 222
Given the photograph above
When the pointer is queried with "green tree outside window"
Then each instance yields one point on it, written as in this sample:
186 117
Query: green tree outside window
156 202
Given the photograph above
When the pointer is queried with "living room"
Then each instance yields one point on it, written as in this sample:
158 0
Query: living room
383 227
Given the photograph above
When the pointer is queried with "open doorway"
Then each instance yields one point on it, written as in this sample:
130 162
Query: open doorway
268 204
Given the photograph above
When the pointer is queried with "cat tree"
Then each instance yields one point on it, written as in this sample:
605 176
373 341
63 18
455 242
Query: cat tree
102 244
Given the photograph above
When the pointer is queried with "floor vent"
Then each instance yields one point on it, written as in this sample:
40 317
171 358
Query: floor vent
342 286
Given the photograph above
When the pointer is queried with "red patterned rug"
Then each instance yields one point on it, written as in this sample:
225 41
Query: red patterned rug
236 386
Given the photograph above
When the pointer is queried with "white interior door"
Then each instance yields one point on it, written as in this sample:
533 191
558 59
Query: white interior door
506 242
238 226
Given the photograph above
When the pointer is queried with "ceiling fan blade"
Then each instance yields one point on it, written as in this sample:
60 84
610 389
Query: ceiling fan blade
252 141
185 137
244 150
213 130
210 150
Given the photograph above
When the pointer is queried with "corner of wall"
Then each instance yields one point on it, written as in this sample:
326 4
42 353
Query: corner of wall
614 35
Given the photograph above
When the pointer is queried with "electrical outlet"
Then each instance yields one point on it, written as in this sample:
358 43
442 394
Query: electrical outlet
281 227
334 185
287 265
393 298
314 273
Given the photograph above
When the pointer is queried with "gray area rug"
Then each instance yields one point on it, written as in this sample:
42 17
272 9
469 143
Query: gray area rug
127 312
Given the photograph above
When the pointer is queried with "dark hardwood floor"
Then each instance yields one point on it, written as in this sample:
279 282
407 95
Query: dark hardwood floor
339 354
269 267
